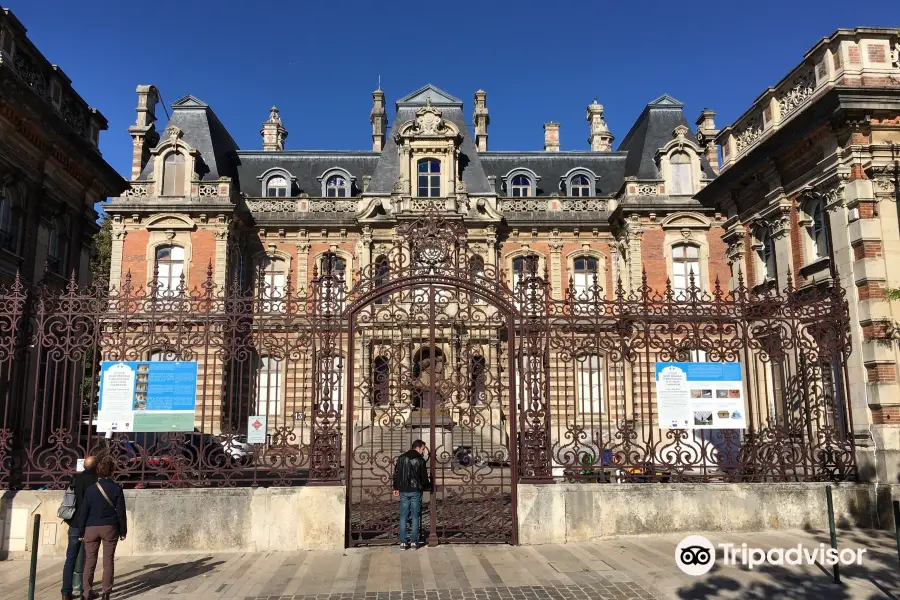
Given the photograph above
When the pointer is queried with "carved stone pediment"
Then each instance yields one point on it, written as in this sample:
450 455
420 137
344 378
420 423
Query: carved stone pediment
173 133
429 123
170 222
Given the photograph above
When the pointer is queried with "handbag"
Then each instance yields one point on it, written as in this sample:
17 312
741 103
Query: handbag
66 508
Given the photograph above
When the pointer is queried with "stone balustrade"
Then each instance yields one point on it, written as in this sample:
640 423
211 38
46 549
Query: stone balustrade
862 57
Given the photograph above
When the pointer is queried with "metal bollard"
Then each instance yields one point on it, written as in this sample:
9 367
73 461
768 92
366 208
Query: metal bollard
35 538
837 574
897 525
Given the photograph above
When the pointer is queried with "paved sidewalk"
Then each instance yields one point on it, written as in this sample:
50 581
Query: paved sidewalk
623 568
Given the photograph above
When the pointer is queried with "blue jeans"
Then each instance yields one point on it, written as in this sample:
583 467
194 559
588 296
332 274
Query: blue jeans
71 557
410 508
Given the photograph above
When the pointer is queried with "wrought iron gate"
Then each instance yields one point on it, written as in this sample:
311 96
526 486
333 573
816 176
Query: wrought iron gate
432 361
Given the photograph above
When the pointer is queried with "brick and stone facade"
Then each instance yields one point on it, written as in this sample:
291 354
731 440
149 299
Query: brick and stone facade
809 176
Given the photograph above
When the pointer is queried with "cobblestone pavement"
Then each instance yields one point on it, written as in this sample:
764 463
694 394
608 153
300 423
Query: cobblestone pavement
622 568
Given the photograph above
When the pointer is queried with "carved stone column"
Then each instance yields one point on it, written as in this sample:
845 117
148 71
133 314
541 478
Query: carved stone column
303 247
634 233
220 276
490 236
116 254
735 254
556 282
779 221
364 247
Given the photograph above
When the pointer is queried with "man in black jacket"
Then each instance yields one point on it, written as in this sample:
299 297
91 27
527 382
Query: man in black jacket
80 482
410 481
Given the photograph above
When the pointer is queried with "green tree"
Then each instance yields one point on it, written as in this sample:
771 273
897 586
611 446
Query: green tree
100 265
102 243
891 333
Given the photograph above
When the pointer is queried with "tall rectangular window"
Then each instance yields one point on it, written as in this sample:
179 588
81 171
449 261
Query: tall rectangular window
685 267
169 268
589 376
273 283
173 175
429 182
682 184
583 277
268 386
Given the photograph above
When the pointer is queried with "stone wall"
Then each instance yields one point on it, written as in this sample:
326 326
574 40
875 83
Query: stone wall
313 517
191 520
555 514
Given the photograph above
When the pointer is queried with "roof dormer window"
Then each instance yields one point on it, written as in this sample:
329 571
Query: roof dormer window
580 186
521 186
337 187
277 187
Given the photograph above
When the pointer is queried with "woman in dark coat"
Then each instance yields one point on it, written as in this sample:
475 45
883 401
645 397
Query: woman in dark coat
102 519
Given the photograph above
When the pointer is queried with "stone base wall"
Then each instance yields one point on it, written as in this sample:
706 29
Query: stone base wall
555 514
313 517
191 520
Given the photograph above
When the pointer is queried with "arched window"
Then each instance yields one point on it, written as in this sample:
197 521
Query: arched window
429 185
169 268
580 186
7 231
272 284
381 381
520 187
277 187
337 187
173 175
382 276
478 381
589 377
268 386
816 231
685 267
768 271
682 182
585 273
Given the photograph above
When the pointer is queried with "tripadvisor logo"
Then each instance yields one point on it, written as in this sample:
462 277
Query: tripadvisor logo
695 555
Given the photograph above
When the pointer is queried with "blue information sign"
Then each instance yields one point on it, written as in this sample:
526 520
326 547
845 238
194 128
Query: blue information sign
151 396
700 395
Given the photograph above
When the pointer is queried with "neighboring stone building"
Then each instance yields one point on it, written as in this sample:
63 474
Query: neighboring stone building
809 186
51 171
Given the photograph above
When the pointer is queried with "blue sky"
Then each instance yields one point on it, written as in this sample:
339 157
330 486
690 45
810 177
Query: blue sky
319 61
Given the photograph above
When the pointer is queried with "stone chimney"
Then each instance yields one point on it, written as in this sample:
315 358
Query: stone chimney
706 135
378 119
273 132
551 137
143 132
600 139
481 120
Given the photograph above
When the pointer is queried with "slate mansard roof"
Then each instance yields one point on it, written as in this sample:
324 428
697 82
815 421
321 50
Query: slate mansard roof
635 157
652 131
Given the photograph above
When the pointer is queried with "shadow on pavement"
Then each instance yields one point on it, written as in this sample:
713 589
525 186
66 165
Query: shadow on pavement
153 576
